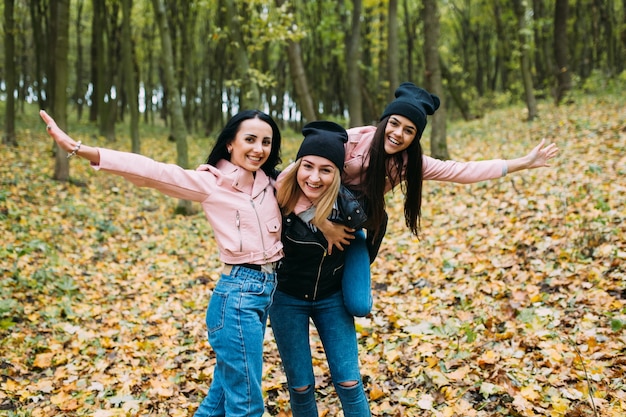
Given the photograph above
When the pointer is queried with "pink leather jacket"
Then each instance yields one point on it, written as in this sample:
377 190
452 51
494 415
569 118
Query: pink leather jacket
357 160
240 207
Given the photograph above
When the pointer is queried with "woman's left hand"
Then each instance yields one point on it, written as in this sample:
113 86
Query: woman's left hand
540 155
537 158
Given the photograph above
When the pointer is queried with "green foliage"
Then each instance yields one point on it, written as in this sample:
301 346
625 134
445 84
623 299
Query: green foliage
599 81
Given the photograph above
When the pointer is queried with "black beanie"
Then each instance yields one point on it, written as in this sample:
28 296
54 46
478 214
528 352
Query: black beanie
414 103
325 139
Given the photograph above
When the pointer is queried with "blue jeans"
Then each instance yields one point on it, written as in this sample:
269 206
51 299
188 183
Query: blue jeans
289 319
357 282
236 320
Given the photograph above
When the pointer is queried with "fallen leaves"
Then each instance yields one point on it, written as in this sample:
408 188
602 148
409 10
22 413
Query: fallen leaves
512 302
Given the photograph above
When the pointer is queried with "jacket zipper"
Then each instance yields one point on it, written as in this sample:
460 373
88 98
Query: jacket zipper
319 268
319 273
238 222
260 229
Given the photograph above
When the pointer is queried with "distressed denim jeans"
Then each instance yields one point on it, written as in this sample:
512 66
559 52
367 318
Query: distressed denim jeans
289 319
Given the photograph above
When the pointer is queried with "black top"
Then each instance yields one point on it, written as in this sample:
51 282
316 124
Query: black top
307 271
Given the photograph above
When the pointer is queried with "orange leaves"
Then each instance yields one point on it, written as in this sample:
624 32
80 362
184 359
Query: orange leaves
511 302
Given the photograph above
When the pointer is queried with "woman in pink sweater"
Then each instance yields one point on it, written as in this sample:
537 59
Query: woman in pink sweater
379 158
236 191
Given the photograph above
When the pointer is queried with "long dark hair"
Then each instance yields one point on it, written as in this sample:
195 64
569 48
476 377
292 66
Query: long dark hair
220 150
383 166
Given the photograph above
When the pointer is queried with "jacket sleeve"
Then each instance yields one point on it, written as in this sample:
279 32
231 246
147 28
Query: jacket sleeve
169 179
462 172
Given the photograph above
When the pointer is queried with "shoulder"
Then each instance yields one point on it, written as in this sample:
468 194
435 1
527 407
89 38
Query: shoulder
359 140
356 134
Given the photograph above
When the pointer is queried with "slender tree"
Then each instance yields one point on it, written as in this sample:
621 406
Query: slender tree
130 82
353 60
177 128
79 89
563 72
542 30
97 58
526 71
393 59
434 83
9 64
249 96
59 22
298 73
39 16
410 40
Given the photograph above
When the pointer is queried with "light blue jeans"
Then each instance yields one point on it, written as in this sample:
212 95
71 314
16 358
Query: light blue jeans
357 281
289 319
236 320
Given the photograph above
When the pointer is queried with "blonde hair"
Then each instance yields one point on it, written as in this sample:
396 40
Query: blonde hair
289 193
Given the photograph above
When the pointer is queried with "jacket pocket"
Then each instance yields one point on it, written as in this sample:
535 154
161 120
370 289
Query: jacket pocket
273 225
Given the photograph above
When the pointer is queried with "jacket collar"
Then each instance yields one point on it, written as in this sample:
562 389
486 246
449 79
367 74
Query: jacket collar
242 179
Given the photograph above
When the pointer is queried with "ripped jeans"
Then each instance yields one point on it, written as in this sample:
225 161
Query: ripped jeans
289 320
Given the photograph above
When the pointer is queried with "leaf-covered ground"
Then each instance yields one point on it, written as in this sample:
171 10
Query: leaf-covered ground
511 303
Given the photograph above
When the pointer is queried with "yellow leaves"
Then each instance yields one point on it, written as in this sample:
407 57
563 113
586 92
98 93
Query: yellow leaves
459 374
375 392
161 387
489 358
513 286
43 360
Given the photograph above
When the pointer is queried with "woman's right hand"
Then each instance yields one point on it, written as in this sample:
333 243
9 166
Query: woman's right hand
66 143
336 234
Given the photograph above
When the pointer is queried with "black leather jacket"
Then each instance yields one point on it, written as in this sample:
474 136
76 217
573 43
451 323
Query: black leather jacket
307 271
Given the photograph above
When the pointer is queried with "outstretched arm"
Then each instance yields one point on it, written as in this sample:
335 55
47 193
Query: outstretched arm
537 158
68 144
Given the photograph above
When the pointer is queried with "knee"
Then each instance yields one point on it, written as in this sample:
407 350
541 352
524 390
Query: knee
348 384
359 310
302 389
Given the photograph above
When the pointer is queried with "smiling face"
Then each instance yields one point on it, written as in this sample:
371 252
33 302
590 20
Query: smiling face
400 132
252 144
315 176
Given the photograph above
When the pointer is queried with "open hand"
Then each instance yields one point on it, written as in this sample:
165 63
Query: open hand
65 142
540 155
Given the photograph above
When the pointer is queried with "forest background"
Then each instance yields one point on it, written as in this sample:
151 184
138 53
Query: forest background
512 302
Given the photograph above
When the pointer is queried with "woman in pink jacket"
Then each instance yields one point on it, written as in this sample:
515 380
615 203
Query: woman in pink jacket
379 158
236 191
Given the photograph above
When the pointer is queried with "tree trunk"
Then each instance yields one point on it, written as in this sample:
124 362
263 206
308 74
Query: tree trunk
623 36
543 55
393 60
502 51
410 41
430 18
41 38
249 96
112 72
527 78
9 65
79 93
97 59
563 73
59 19
456 92
298 76
129 76
177 129
353 59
